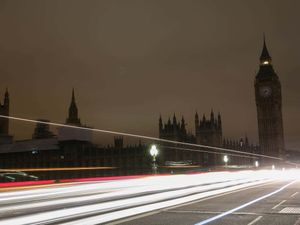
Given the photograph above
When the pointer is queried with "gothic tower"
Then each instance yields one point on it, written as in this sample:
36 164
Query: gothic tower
175 131
73 112
4 110
269 107
209 131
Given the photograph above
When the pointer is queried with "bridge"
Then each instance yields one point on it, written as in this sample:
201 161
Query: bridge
240 188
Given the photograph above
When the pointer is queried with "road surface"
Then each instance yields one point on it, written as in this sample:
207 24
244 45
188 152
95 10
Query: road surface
282 208
246 197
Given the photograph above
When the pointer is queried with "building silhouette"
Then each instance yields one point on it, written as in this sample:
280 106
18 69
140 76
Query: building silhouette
209 131
42 130
175 130
72 148
65 134
269 107
4 122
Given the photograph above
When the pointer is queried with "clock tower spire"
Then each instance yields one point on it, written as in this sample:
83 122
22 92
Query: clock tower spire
265 57
269 107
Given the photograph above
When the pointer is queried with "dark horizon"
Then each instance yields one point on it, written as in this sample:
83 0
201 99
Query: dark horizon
131 61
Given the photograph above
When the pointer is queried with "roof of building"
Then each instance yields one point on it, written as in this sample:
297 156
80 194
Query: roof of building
30 145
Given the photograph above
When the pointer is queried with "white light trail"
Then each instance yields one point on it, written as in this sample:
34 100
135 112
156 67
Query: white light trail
127 192
159 182
66 191
119 199
108 217
200 150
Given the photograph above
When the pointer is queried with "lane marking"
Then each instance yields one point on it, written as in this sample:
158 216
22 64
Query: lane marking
210 212
255 220
132 218
279 204
290 210
220 195
244 205
293 195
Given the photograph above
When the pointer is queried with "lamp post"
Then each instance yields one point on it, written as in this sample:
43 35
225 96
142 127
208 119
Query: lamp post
154 153
225 159
273 167
241 143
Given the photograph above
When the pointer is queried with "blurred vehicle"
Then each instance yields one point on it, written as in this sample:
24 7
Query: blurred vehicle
13 176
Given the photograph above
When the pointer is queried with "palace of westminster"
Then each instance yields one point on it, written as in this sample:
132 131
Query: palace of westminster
74 147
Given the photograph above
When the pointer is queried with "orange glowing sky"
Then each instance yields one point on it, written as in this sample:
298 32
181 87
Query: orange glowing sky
129 61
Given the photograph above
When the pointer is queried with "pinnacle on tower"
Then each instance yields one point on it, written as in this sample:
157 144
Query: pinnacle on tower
169 121
73 112
73 95
246 140
212 116
182 120
160 123
174 119
265 68
6 97
182 123
265 57
196 119
219 121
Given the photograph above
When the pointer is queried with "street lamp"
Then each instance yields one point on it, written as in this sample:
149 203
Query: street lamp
256 163
273 167
154 153
225 159
241 143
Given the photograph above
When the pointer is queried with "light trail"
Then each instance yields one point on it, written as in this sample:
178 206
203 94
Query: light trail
61 182
58 169
48 193
33 186
245 205
113 216
173 181
211 152
119 204
139 136
82 203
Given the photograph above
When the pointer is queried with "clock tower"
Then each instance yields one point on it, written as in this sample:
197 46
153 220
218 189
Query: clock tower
269 107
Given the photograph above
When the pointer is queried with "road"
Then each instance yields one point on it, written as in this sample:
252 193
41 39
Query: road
275 210
177 199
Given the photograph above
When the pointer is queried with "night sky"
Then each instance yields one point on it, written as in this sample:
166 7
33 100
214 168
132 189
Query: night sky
130 61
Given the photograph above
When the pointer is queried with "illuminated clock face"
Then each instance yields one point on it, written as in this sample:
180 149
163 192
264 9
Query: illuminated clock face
265 91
